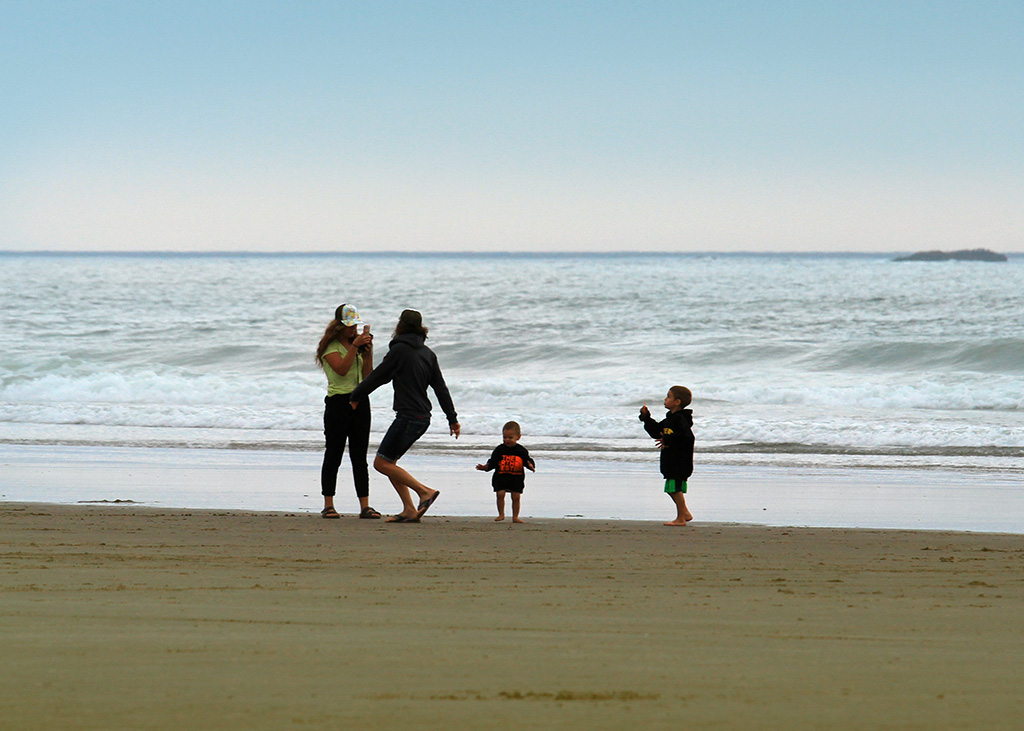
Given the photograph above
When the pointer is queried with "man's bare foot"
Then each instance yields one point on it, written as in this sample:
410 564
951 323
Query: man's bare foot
677 522
518 520
499 519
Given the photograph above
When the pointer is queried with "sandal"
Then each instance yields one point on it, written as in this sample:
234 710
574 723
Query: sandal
329 513
369 513
425 505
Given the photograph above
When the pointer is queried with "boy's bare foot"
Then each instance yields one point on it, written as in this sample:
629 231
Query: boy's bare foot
499 519
518 520
677 522
689 517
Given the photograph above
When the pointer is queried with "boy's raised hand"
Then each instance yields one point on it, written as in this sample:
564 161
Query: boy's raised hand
644 411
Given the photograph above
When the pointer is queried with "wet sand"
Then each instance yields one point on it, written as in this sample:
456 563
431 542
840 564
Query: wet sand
130 617
226 479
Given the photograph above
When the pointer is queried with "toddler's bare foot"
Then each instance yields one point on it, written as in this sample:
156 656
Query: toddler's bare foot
499 519
677 522
518 520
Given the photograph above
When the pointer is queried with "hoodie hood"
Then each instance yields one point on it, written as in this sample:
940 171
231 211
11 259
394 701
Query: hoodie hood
410 339
684 415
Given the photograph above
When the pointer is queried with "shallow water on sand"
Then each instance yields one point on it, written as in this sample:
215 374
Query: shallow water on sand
288 481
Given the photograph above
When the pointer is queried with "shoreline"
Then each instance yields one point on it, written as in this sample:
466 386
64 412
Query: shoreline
870 498
653 523
142 617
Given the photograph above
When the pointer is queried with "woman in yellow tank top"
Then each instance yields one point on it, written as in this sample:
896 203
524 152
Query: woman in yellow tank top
345 353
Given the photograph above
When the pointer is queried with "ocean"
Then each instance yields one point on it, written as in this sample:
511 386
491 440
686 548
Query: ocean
795 361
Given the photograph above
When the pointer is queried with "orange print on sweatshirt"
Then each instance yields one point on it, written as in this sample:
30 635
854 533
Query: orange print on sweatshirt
511 465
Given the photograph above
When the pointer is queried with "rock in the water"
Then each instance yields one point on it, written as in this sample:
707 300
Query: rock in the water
962 255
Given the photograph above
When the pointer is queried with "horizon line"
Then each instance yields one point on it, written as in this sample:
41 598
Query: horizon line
221 253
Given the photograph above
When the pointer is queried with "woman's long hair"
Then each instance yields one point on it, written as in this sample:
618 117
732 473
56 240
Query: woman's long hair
333 332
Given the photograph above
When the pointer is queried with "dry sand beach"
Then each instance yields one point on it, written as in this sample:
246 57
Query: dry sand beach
129 617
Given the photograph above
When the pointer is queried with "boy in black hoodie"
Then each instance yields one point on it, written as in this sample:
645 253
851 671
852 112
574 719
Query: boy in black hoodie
674 437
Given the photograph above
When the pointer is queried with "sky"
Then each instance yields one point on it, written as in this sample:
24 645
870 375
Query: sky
511 126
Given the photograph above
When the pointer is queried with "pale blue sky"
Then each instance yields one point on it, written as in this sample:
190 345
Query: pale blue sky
597 126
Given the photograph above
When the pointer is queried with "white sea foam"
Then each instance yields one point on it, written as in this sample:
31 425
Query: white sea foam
787 354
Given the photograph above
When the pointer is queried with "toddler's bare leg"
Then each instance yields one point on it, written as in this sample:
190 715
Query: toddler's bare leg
500 497
516 497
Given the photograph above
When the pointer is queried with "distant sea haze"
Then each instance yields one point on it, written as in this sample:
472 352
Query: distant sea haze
793 359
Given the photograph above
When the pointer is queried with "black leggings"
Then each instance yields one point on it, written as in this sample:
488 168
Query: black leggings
342 422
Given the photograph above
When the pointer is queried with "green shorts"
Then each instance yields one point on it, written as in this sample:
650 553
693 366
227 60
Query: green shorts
672 486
